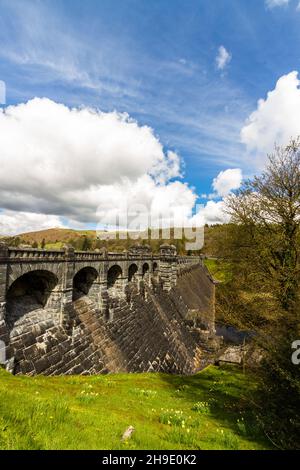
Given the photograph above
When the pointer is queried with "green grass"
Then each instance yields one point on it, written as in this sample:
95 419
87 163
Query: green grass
55 246
219 269
210 410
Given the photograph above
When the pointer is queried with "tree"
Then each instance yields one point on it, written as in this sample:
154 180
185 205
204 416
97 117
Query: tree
268 210
16 241
264 248
86 243
43 244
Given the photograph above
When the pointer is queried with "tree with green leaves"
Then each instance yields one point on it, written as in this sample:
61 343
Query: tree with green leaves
86 243
263 247
268 210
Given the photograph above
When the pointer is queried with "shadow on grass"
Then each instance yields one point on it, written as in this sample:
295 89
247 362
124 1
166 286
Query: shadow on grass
226 395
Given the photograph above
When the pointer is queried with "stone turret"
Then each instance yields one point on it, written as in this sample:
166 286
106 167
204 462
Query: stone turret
138 249
168 266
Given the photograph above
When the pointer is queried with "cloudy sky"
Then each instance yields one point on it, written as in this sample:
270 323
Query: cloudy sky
165 104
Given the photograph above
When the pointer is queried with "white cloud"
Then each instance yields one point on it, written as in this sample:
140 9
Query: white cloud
227 181
223 58
72 148
20 222
212 213
276 119
276 3
82 164
69 167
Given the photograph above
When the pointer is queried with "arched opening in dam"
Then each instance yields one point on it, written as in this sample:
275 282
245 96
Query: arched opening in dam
114 279
83 281
155 269
146 269
133 269
32 291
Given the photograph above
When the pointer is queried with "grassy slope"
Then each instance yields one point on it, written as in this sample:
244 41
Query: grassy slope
219 269
55 234
93 412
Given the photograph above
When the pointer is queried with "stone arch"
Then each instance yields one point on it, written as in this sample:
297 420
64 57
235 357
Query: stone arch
155 268
83 281
114 276
37 284
133 269
34 290
146 269
17 270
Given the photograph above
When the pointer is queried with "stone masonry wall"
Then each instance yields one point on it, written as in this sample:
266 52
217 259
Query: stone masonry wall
147 329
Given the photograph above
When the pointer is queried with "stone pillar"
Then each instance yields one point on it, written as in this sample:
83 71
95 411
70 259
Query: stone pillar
95 292
4 257
168 266
103 269
138 277
142 254
122 283
67 285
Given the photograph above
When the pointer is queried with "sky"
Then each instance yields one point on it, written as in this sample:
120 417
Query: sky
156 103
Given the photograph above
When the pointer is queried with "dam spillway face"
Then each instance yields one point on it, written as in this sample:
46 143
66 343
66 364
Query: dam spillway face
65 312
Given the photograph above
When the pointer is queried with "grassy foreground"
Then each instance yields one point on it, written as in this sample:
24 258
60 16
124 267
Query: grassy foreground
210 410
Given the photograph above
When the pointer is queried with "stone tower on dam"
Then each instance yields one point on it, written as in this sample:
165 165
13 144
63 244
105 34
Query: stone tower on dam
67 312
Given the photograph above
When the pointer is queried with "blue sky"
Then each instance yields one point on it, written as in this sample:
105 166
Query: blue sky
157 61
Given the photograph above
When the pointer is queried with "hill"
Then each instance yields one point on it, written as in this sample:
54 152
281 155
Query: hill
55 235
56 238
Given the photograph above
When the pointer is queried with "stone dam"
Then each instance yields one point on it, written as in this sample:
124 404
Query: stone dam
67 312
